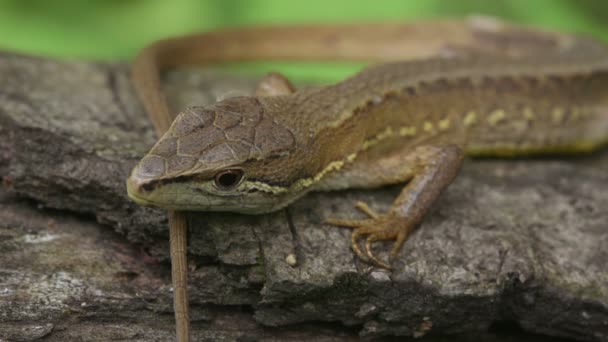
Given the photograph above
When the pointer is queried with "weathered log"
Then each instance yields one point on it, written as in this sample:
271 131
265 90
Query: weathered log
523 241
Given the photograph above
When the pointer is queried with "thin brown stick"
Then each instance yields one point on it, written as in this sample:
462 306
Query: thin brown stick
178 230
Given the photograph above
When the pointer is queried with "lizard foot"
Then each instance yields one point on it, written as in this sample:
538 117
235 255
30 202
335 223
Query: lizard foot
377 227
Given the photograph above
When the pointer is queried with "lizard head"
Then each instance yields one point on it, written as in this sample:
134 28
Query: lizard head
210 159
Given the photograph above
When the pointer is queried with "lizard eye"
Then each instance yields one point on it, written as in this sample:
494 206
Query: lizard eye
228 179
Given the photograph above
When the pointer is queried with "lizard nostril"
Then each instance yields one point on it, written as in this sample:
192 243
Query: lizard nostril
149 186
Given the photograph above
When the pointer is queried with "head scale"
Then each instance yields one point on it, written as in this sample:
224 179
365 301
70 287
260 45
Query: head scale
201 162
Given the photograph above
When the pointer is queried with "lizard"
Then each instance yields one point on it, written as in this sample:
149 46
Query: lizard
443 90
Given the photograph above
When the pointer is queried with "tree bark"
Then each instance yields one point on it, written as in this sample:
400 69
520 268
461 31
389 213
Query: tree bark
511 242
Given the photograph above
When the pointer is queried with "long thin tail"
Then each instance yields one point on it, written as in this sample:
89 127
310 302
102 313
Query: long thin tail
377 42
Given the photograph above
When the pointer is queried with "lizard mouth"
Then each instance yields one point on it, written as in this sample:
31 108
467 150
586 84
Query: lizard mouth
134 193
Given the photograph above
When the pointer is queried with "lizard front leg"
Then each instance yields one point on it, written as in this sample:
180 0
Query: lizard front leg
433 169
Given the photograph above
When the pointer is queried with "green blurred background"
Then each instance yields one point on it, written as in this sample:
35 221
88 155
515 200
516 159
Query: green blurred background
116 29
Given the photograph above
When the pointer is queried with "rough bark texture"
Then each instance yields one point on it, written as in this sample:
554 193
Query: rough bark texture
520 241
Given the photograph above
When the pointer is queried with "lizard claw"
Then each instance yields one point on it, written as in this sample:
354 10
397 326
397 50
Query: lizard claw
376 228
